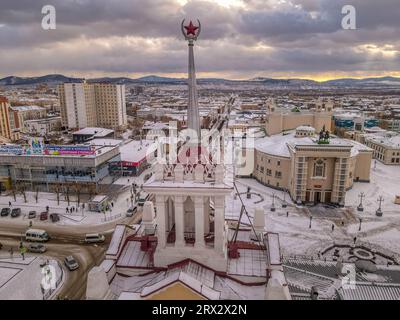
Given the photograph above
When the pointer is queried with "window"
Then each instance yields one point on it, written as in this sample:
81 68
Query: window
319 168
279 163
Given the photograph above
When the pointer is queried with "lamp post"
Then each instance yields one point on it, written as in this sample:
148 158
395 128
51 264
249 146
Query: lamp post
273 203
359 227
379 212
360 206
284 204
310 222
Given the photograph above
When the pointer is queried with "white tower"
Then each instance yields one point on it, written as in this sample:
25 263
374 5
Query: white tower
191 34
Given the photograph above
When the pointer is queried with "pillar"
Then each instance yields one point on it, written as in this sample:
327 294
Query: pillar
219 222
179 221
199 221
161 223
206 215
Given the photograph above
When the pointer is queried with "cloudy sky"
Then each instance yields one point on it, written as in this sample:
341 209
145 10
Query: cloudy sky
240 39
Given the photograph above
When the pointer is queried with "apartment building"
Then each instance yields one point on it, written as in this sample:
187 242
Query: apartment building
92 105
7 125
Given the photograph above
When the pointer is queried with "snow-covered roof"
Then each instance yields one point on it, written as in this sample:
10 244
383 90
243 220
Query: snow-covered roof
278 145
136 150
97 132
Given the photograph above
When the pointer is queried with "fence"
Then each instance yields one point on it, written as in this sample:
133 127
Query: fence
110 218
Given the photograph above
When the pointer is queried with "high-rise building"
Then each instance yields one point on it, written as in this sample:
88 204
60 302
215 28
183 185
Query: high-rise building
92 105
7 125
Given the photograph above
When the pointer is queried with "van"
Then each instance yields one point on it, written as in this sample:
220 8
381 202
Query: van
37 248
36 235
94 238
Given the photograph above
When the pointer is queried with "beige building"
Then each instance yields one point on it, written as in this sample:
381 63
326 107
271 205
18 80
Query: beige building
279 120
309 170
8 129
92 105
386 146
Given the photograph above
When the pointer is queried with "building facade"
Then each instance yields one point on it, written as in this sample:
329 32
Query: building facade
92 104
278 121
311 171
8 128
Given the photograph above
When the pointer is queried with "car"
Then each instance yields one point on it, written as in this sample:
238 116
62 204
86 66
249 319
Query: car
16 212
44 216
131 211
54 217
5 212
32 215
94 238
37 248
71 263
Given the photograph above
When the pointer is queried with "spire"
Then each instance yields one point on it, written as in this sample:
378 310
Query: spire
191 34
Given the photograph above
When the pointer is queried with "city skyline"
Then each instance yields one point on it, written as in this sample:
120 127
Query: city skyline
241 39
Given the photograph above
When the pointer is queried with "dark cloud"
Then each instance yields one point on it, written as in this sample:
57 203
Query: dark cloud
143 36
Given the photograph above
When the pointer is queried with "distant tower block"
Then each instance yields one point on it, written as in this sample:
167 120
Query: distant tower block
191 33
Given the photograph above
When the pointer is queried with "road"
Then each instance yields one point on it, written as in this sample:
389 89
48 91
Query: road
66 240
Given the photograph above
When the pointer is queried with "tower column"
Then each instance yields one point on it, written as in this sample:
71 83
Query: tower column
206 214
219 219
199 221
179 221
160 218
193 111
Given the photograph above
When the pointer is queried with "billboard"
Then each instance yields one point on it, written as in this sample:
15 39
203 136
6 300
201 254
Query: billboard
69 150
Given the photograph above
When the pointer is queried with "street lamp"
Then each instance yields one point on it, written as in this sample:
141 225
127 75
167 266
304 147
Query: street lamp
310 222
360 206
359 228
379 212
273 203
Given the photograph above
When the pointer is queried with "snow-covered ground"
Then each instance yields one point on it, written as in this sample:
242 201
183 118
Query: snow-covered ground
21 279
296 236
121 201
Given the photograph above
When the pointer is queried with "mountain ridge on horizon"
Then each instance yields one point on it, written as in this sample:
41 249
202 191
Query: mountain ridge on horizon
59 78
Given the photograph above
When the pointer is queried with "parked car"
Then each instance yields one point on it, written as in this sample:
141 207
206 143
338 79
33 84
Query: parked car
54 217
71 263
37 248
5 212
32 215
16 212
94 238
44 216
131 211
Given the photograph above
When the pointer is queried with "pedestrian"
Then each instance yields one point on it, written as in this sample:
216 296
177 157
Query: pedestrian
333 227
287 213
30 224
355 239
11 252
66 210
112 204
47 208
9 203
83 206
342 222
128 180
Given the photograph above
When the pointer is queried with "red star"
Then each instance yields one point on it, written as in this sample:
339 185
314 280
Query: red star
191 29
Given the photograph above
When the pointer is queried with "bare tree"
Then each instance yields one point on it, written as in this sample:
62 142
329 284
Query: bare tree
37 194
67 195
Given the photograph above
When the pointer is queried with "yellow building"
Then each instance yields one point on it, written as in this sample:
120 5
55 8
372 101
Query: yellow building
310 169
279 120
92 105
7 126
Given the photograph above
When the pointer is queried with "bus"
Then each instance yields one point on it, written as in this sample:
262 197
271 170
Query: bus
36 235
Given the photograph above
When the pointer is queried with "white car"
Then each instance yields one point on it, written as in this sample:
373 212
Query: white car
37 248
